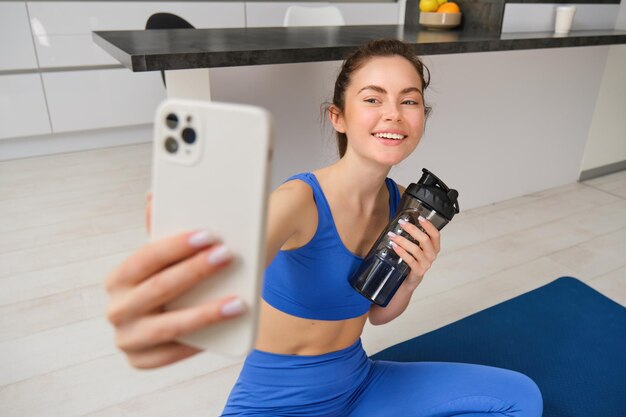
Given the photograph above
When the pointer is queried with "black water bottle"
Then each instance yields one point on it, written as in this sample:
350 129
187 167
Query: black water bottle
383 271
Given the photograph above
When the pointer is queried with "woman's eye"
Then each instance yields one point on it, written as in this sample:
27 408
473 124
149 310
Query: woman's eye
411 102
371 100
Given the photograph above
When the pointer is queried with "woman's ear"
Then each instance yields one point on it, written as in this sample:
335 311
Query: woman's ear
336 118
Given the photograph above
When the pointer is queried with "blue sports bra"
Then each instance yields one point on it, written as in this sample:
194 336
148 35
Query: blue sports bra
312 281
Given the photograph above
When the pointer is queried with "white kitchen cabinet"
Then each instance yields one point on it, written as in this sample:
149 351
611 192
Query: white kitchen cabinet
16 45
95 99
74 17
71 51
264 14
62 30
370 13
22 106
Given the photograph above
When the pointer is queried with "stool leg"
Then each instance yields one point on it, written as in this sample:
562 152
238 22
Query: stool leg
190 83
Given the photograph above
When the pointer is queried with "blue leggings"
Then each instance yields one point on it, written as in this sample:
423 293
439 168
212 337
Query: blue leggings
347 383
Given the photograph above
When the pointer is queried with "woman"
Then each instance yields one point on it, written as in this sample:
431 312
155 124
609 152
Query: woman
308 359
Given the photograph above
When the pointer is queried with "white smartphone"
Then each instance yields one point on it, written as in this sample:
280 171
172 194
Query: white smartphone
211 164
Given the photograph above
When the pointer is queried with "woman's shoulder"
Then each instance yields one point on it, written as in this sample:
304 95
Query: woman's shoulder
292 197
292 215
295 189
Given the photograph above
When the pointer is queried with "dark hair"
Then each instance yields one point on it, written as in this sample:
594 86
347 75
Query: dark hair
372 49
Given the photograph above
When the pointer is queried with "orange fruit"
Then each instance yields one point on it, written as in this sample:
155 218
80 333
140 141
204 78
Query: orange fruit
449 7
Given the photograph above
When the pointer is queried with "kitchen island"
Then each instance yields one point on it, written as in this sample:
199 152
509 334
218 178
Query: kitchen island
511 112
143 50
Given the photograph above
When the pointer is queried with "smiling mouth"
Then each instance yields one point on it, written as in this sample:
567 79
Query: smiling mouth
392 136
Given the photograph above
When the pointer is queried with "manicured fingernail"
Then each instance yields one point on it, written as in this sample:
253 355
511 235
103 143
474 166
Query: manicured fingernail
391 234
201 238
421 219
232 308
402 221
219 255
393 244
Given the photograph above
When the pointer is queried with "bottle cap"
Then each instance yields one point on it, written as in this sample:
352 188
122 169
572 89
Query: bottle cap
435 194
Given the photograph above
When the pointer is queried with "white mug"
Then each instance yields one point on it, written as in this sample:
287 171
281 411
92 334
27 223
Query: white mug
564 18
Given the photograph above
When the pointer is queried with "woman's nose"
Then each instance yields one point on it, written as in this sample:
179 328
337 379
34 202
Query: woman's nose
392 112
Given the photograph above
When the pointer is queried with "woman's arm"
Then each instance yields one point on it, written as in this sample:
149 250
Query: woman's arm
379 315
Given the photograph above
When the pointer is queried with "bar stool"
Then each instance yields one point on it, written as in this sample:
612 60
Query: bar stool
313 16
167 21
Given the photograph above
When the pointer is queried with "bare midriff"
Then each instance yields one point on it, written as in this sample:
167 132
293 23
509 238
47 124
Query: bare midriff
283 333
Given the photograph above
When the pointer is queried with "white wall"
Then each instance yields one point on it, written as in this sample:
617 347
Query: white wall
606 143
533 17
504 124
507 124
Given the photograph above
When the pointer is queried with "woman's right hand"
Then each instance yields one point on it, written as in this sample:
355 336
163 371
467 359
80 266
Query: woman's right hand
149 212
151 277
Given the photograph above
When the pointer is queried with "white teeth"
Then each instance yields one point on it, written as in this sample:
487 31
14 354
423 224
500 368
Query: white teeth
389 136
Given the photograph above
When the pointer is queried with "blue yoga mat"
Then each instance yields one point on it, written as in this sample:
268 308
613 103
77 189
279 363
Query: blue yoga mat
569 338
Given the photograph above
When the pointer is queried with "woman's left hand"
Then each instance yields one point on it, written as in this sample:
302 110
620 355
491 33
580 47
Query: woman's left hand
418 257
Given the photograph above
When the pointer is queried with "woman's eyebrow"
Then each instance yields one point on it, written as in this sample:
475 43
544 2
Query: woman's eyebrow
381 90
373 87
411 90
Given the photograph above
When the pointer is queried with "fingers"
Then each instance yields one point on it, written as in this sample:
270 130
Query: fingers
418 267
411 254
163 328
429 241
418 256
167 284
149 212
160 355
155 256
432 232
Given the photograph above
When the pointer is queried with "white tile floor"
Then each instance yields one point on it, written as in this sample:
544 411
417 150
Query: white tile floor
66 220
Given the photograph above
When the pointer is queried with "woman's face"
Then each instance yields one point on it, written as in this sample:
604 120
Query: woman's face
383 116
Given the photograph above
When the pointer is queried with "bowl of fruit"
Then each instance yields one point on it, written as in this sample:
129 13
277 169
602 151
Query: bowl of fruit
439 14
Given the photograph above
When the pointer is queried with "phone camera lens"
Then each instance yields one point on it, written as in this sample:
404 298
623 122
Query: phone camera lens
189 135
171 121
171 145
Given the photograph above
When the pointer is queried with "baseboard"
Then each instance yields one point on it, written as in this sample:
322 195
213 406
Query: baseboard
31 146
601 171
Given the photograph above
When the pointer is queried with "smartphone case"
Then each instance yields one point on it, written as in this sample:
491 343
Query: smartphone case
219 182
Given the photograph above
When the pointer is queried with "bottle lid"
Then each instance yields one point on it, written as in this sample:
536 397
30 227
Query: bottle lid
435 193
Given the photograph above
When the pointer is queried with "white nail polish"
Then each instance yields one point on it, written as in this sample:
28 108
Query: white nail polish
402 221
232 308
422 219
201 238
219 254
391 234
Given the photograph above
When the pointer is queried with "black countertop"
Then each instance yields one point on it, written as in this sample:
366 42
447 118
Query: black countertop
152 50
